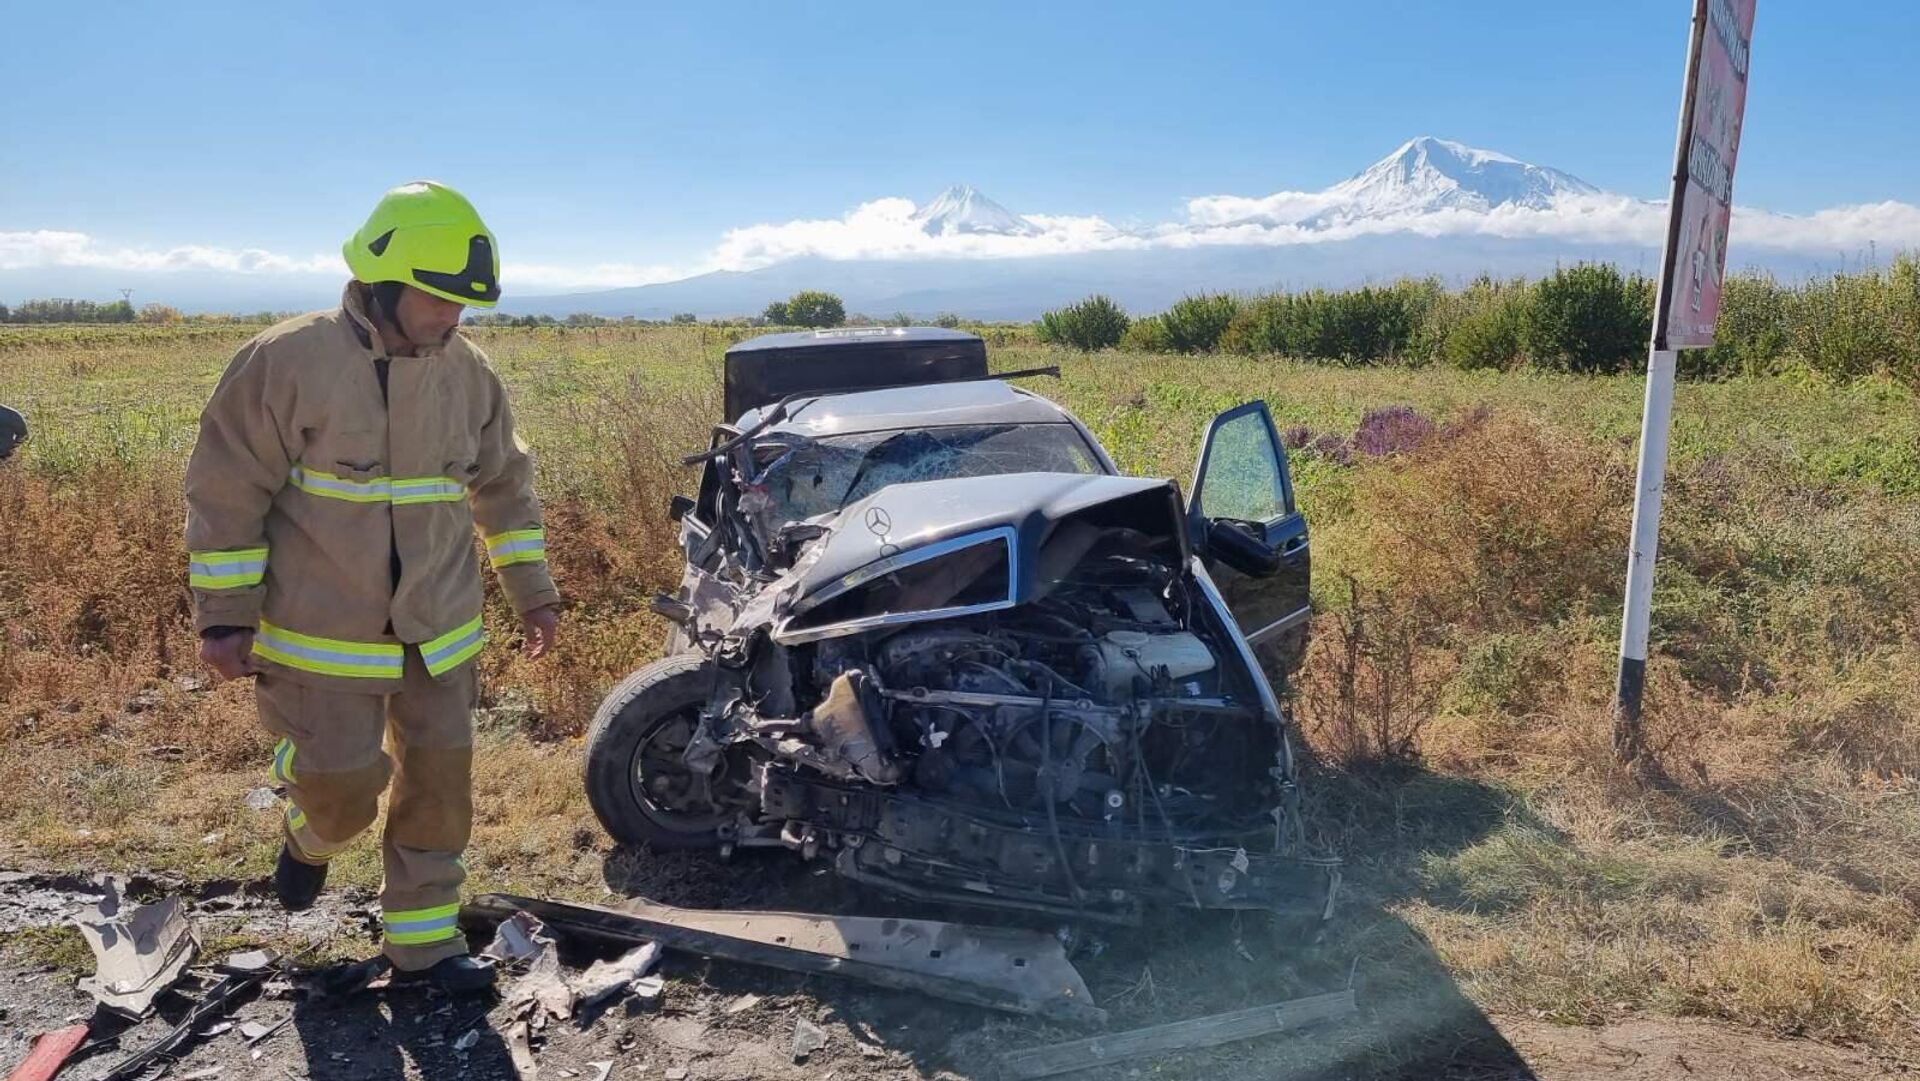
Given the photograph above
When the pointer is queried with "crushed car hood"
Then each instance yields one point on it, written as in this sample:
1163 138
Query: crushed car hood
902 517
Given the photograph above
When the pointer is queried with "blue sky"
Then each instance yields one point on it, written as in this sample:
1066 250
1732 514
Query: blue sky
639 134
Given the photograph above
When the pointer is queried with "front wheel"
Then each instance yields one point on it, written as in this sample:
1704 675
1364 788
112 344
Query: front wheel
637 778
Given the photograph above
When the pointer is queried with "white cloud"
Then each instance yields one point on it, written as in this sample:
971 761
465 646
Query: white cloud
884 229
48 248
1890 225
55 248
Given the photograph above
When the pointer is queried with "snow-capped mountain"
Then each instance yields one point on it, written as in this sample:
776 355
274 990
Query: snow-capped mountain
1432 207
1428 174
961 209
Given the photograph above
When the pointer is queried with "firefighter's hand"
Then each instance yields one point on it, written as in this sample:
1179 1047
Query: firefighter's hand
230 655
539 627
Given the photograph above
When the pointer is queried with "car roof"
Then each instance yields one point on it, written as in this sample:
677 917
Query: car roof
839 338
932 405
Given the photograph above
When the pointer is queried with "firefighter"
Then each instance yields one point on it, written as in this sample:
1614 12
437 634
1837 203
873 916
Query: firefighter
344 461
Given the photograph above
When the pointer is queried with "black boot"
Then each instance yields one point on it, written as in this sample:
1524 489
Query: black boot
297 884
459 975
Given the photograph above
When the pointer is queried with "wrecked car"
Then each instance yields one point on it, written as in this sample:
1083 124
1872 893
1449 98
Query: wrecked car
929 633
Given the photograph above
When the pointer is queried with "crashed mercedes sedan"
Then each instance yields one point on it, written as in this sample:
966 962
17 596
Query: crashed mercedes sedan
929 633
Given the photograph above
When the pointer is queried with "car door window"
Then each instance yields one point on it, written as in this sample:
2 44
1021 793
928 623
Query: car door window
1243 479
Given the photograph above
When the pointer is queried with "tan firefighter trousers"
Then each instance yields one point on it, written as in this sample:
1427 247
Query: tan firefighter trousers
333 763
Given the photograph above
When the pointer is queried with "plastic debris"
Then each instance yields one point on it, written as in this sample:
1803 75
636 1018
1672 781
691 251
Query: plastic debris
262 799
807 1038
253 1031
523 939
249 961
520 1051
219 1001
605 978
601 1070
520 937
50 1052
467 1040
141 950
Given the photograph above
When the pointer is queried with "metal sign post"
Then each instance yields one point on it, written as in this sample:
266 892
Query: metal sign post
1692 270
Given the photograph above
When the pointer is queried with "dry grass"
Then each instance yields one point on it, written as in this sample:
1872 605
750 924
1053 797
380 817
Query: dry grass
1467 588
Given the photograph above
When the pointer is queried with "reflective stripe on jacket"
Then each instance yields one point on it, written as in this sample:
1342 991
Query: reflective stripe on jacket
306 481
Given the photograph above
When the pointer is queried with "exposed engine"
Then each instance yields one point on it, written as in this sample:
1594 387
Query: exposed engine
1081 753
1037 704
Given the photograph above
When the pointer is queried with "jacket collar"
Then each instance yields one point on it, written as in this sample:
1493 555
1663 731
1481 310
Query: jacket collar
354 305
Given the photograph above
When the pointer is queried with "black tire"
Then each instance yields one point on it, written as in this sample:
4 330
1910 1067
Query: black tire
638 708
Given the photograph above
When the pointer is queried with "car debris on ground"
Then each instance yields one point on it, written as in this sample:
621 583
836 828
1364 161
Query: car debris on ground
233 987
141 950
1018 971
50 1052
628 972
807 1038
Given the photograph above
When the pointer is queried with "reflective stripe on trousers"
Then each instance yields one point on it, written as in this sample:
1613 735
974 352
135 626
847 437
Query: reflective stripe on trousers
282 769
422 926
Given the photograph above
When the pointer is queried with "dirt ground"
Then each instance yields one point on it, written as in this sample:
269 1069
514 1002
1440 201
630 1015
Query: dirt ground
718 1021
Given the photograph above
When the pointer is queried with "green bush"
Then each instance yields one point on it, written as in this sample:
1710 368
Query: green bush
1588 318
1850 325
1094 323
1196 323
812 308
1147 335
1751 336
1480 326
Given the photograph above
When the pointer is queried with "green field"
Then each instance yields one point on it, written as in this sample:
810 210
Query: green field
1467 585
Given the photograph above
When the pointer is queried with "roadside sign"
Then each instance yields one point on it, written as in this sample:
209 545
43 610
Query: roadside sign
1712 103
1696 255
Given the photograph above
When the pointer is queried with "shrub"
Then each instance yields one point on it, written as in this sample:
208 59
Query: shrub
1480 327
1147 335
776 313
1094 323
947 320
1587 318
685 317
1751 337
1852 325
812 308
1196 323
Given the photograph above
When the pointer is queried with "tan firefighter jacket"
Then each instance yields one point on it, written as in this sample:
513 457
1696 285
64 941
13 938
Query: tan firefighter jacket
340 526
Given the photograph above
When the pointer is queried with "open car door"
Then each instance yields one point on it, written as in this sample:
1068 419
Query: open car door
1251 534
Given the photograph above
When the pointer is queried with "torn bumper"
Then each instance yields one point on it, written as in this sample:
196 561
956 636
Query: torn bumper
945 851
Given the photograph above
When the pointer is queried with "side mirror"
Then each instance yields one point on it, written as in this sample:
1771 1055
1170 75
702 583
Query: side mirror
1237 546
677 507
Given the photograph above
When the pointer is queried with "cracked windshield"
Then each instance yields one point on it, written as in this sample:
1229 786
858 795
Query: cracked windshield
821 476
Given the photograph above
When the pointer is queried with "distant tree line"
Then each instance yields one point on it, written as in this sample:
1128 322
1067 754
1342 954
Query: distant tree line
61 310
1586 318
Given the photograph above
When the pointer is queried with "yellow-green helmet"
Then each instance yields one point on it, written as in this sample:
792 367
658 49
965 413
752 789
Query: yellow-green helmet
427 235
